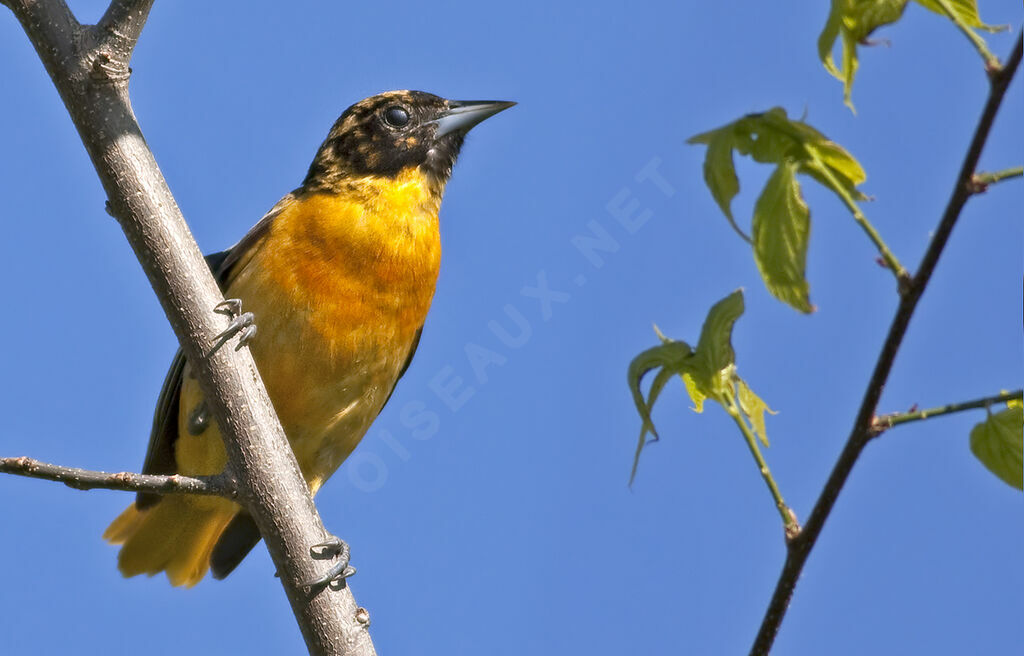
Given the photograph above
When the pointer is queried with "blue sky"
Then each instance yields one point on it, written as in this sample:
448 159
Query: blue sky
509 528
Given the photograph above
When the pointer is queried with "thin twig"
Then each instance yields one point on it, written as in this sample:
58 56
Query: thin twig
800 547
885 422
891 262
85 479
981 181
992 64
789 521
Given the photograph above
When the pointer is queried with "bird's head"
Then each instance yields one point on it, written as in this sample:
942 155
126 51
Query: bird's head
386 134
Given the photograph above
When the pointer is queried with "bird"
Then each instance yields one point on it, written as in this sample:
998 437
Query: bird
337 277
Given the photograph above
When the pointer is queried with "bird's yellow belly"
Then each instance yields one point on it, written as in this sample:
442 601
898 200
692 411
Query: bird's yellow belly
333 335
326 389
325 397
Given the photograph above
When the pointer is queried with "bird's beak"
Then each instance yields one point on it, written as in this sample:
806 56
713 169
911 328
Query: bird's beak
462 115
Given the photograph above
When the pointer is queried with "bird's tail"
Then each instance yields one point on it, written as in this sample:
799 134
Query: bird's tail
175 535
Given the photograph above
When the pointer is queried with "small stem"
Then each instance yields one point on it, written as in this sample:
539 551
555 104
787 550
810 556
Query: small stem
84 479
893 264
788 516
739 231
902 277
981 181
992 64
886 422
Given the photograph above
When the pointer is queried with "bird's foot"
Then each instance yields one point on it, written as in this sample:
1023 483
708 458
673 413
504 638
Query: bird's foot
330 549
242 324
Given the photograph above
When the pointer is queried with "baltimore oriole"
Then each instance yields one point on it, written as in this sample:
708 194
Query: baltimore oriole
340 273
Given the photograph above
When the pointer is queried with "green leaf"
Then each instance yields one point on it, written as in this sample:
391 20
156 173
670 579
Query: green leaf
700 374
714 354
998 442
719 171
966 10
694 391
776 139
833 177
827 40
657 385
781 232
708 372
850 65
781 218
671 356
772 136
837 158
853 21
754 408
862 17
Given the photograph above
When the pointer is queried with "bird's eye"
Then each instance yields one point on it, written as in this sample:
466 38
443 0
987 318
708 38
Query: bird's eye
396 116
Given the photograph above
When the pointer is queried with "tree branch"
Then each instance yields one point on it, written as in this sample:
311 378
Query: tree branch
789 520
89 67
991 61
981 181
84 479
117 33
885 422
799 548
890 260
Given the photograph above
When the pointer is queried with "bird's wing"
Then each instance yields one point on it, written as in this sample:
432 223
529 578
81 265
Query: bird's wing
242 534
405 365
224 265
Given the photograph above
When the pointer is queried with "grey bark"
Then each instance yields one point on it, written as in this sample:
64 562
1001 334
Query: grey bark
89 67
84 479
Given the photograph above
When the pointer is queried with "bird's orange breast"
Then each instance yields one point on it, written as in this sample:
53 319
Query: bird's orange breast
339 285
361 264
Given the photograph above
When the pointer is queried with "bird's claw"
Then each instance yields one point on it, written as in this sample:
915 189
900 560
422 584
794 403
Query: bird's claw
332 548
231 307
242 324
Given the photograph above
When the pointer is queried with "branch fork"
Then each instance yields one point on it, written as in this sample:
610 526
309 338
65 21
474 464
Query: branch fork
89 65
867 423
